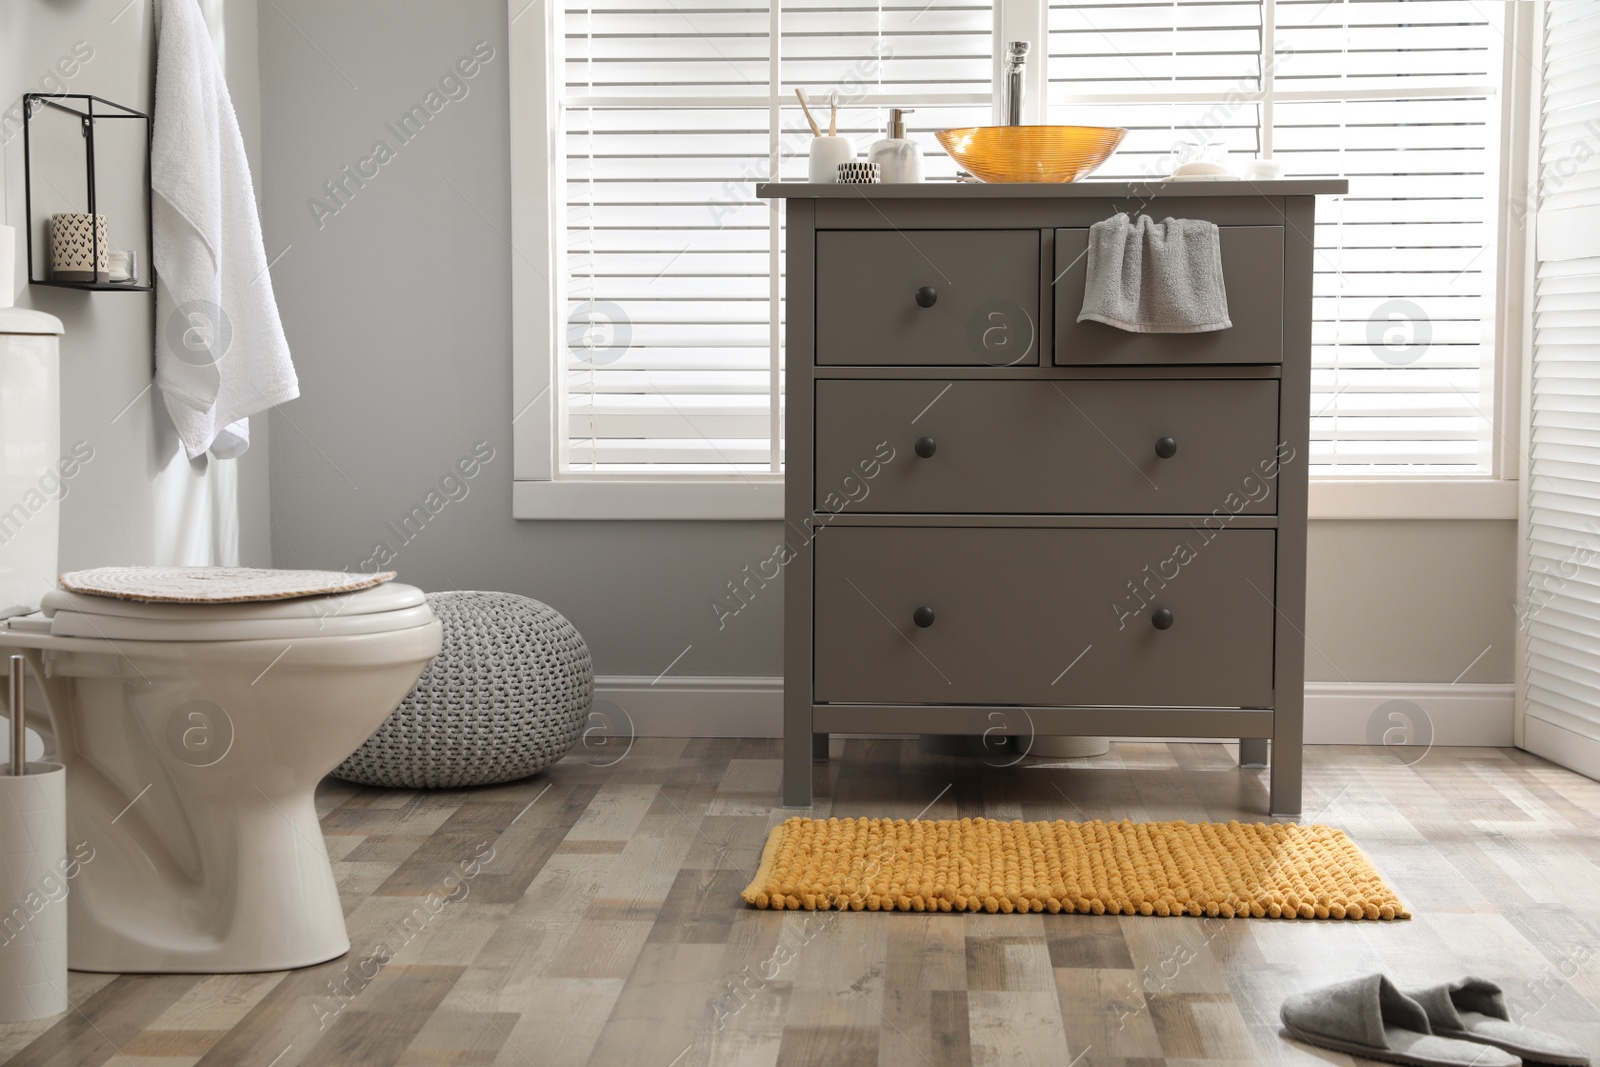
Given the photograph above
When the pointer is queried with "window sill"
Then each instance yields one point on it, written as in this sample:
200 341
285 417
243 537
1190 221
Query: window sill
648 499
667 500
1413 498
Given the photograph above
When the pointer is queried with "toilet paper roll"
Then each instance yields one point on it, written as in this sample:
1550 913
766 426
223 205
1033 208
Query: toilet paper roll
8 266
33 893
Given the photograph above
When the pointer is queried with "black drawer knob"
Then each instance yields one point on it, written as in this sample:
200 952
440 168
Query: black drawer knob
925 447
1166 448
1162 619
923 617
927 296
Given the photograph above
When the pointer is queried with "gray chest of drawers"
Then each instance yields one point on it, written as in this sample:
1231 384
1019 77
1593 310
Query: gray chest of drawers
1003 520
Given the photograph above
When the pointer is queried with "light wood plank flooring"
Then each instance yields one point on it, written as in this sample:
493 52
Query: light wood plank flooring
605 927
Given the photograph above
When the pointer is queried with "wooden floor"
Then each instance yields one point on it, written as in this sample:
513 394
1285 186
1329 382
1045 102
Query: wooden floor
596 920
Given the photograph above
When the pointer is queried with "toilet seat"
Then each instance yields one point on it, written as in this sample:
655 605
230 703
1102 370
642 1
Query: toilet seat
381 609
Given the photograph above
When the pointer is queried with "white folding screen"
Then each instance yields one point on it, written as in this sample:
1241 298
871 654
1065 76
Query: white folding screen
1561 604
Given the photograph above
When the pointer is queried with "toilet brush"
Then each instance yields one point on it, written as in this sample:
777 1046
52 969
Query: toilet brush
19 727
33 876
828 150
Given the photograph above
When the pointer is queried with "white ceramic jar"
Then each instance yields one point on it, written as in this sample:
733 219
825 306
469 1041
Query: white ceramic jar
827 152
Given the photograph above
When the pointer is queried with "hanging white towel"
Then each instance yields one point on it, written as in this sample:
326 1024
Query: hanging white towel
1155 277
220 351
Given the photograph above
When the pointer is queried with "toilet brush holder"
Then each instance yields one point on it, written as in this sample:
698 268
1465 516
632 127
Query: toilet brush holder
33 880
33 893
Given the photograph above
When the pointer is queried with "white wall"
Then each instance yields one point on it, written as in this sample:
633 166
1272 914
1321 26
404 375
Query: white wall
138 501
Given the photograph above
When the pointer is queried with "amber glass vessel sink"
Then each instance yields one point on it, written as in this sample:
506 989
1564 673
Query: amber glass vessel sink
1031 153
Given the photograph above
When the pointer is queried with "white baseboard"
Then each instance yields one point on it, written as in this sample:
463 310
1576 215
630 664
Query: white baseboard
706 706
1361 713
1337 713
1560 745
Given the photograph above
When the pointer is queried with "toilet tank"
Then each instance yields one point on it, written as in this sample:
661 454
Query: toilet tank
32 480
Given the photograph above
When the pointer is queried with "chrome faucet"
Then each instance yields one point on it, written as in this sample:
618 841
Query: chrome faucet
1016 60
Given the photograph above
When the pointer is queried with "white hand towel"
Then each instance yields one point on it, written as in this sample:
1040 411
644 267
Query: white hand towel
1155 277
220 351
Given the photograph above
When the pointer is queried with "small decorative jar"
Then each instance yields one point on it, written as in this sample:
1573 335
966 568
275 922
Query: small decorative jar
858 174
78 247
124 267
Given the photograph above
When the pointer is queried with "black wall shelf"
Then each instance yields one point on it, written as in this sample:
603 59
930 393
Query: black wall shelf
95 287
84 106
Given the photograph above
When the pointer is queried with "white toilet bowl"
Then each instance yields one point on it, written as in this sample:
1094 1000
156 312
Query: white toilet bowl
194 736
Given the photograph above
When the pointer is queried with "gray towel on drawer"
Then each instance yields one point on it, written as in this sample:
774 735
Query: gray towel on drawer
1155 277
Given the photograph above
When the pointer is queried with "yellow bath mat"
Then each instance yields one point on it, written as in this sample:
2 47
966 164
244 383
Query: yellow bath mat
1276 870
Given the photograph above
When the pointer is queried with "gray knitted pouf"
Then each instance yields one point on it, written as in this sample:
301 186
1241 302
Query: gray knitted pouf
505 697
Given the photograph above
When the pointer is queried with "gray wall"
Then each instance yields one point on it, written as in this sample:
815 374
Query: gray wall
399 313
137 501
398 309
1410 601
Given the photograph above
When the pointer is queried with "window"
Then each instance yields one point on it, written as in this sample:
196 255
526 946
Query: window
666 272
1398 97
673 303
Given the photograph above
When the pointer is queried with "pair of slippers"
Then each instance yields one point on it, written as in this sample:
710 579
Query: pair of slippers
1459 1024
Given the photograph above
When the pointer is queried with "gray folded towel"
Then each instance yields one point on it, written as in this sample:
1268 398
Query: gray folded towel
1155 277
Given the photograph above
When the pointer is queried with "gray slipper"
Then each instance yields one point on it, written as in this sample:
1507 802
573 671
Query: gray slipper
1370 1017
1474 1009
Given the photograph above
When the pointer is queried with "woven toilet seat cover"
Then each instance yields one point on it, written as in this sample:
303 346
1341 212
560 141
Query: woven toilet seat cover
214 585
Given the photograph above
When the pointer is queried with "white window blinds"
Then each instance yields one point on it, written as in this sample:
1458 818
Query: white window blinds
1397 97
672 294
673 282
1561 606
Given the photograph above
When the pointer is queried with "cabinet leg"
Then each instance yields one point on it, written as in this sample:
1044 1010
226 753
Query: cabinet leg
819 747
798 738
1283 799
796 773
1252 751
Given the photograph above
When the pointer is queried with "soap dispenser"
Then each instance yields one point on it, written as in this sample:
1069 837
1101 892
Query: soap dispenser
899 158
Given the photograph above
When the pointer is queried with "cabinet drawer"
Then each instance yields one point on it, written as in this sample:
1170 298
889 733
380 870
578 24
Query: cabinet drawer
1252 275
1049 447
983 286
1044 617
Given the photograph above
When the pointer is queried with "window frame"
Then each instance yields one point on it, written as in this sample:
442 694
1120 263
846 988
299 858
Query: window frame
542 491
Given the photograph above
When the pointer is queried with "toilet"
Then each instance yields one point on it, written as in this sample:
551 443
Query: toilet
193 734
